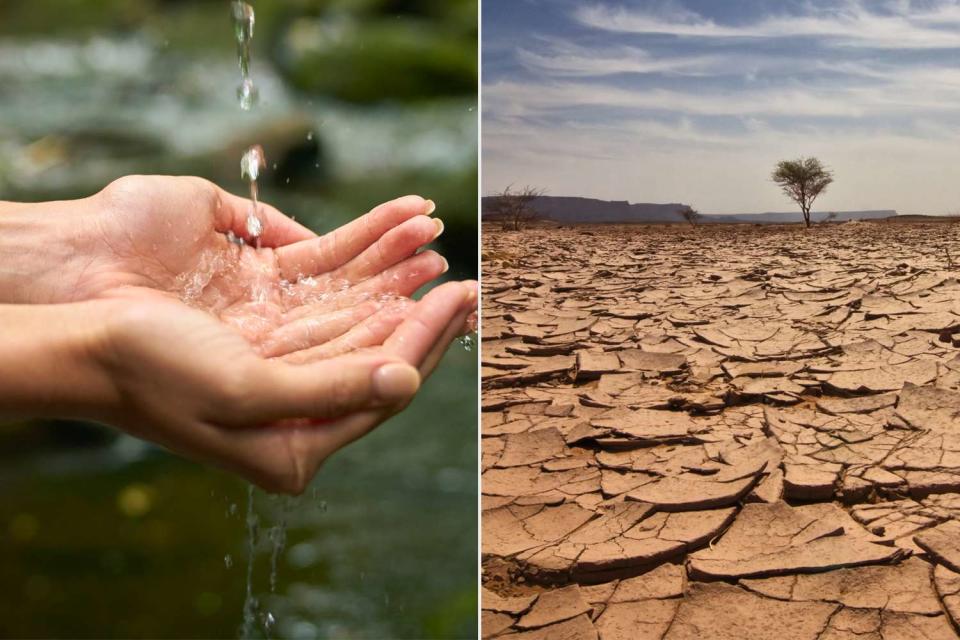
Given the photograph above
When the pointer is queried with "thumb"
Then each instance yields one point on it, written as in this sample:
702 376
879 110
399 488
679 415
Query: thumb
327 389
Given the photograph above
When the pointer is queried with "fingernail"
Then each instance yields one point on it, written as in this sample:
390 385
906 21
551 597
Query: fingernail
431 207
395 381
472 296
438 223
446 265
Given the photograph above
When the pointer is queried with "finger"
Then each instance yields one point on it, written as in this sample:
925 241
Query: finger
395 245
427 323
310 330
278 229
333 250
454 329
369 333
441 345
272 390
405 278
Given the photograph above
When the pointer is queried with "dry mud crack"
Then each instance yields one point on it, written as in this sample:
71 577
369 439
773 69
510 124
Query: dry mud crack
722 432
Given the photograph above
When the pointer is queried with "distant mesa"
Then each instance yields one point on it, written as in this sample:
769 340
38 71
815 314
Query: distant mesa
571 210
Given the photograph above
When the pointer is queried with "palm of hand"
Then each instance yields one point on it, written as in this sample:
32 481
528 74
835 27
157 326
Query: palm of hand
298 297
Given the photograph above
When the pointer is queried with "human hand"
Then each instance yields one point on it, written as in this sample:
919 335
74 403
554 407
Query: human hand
176 376
144 236
147 247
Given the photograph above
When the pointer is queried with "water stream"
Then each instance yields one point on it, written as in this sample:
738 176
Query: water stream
250 603
256 618
243 21
252 163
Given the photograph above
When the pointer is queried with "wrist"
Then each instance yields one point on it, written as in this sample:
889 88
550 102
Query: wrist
39 250
49 362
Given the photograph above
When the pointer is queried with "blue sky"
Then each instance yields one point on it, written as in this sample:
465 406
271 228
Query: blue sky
696 100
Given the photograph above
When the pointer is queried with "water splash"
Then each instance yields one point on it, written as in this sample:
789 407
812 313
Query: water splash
243 21
468 341
192 285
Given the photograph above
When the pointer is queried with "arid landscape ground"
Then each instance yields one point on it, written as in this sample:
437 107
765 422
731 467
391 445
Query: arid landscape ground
721 432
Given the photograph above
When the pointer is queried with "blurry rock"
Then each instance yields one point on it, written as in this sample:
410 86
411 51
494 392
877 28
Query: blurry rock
377 60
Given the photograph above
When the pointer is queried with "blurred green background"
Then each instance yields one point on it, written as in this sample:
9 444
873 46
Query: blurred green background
360 101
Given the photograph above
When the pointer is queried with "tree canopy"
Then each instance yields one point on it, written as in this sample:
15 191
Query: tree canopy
690 214
802 180
513 207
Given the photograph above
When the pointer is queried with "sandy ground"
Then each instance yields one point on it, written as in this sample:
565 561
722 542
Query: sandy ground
722 432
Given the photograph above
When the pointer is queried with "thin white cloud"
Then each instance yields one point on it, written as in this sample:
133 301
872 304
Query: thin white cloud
566 59
871 90
560 58
530 99
851 23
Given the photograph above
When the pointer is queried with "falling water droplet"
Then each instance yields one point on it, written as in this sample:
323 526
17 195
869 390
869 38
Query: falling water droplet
228 561
315 492
251 164
247 94
310 135
254 226
467 342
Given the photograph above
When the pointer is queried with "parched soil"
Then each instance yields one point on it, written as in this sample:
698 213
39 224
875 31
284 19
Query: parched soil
721 432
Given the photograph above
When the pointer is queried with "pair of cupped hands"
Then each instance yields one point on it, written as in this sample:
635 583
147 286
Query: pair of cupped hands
263 360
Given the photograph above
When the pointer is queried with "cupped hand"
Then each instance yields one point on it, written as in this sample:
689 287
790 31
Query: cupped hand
262 356
286 291
186 381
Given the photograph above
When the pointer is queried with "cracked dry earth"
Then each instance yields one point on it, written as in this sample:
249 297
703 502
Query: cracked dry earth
722 432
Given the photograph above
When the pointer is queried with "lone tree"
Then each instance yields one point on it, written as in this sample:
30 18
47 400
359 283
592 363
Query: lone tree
691 215
803 180
514 207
